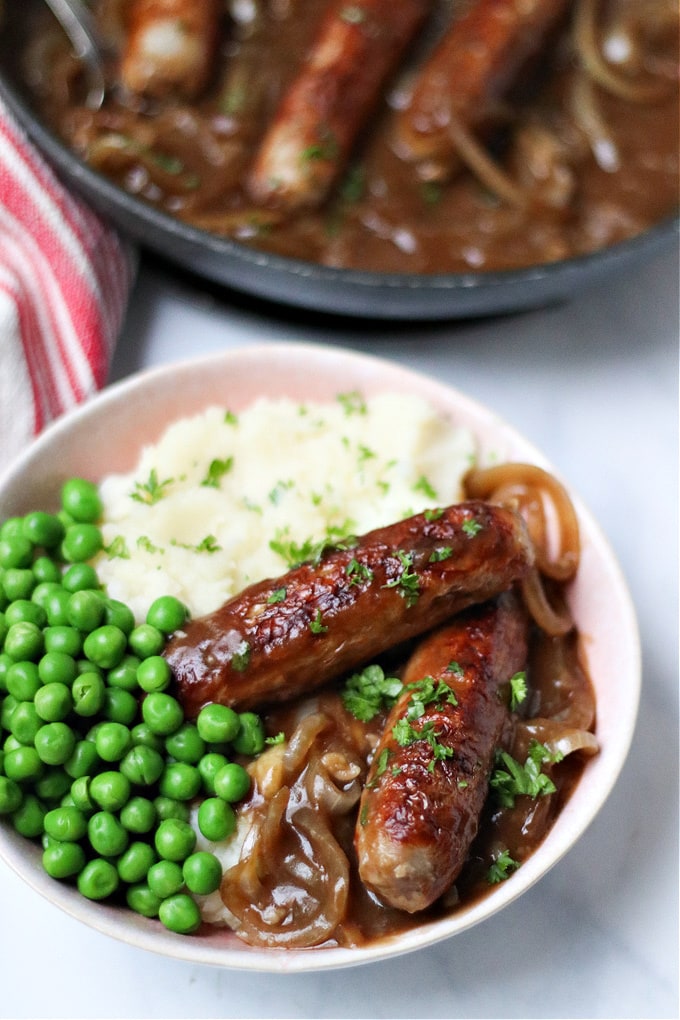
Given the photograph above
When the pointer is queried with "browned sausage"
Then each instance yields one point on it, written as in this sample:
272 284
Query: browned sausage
170 46
469 71
282 638
420 807
357 46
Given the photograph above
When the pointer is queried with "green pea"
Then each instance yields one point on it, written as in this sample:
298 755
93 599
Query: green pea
24 641
186 744
124 675
80 795
167 614
120 706
65 824
251 736
62 860
18 583
209 765
107 835
142 734
83 761
25 722
55 742
216 819
80 577
98 880
15 551
142 765
119 615
165 878
113 741
10 796
29 816
5 663
25 611
154 674
53 702
12 526
56 605
63 640
217 723
143 900
134 864
81 542
174 839
180 781
162 713
88 694
45 569
106 646
23 680
180 913
232 782
202 873
146 640
42 529
9 706
22 763
85 610
110 790
57 666
166 807
139 815
80 498
53 784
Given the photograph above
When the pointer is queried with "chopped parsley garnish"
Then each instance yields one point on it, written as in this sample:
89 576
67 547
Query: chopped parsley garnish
434 514
455 668
278 595
278 738
366 693
216 471
502 868
117 549
240 659
145 543
510 779
316 625
353 402
151 491
277 492
358 572
407 583
424 692
471 527
309 551
518 690
230 418
425 486
209 544
443 553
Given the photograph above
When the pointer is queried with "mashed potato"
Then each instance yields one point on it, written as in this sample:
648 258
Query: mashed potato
223 500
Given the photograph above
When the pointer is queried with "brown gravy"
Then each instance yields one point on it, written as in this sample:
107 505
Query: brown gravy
583 193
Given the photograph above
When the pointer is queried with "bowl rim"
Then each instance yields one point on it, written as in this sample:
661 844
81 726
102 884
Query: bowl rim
575 817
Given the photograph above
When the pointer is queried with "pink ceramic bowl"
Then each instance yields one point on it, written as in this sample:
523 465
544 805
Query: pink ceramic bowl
107 434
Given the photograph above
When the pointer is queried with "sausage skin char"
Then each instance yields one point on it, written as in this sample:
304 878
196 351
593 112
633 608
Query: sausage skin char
285 637
418 815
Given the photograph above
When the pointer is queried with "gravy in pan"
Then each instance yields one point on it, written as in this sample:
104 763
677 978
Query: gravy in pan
587 164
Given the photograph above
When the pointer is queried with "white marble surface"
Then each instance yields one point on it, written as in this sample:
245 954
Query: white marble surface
594 384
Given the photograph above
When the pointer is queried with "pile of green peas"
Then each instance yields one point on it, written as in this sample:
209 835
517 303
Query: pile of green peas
97 760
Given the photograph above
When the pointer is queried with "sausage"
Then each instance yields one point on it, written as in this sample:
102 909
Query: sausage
285 637
170 46
418 812
469 71
320 115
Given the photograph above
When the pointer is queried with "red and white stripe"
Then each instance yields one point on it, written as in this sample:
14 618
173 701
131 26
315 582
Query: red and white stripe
65 277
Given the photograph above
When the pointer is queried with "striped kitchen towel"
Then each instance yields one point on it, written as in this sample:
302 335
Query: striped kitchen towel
65 276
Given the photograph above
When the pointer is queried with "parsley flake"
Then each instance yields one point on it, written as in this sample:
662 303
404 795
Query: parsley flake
240 659
502 868
278 595
352 402
407 583
366 693
510 779
117 549
443 553
518 690
472 527
316 625
425 486
358 572
151 491
216 471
